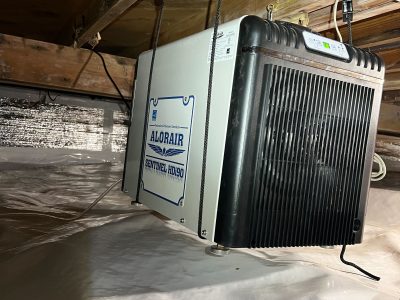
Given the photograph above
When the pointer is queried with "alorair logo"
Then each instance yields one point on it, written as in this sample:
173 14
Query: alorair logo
169 138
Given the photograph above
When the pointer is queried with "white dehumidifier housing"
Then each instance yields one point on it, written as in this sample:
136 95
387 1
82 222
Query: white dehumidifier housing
293 119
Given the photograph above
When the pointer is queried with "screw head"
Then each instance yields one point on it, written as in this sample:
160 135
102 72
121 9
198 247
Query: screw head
204 232
182 220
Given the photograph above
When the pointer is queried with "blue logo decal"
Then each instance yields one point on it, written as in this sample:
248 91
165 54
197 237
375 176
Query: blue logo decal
154 115
165 152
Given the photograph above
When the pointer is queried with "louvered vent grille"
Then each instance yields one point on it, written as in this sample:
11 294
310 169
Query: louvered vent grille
311 159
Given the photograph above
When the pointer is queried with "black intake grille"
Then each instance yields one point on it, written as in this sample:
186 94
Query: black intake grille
314 133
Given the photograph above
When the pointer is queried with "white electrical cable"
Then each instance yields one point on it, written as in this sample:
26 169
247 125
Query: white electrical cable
335 22
376 176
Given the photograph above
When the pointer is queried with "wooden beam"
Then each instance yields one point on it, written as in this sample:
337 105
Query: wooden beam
39 64
326 22
391 97
392 82
320 12
381 42
325 15
376 41
393 68
390 57
177 23
285 9
389 118
100 14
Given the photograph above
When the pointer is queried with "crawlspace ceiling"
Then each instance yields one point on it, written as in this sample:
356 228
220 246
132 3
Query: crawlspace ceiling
131 33
376 24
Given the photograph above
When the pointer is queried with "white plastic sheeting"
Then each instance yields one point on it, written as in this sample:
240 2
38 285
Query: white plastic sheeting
117 252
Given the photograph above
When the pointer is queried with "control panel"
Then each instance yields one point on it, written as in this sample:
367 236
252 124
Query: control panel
322 44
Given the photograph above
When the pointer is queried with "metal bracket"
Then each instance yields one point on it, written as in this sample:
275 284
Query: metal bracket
270 12
95 40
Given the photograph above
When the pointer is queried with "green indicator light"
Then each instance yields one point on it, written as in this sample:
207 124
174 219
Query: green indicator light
326 45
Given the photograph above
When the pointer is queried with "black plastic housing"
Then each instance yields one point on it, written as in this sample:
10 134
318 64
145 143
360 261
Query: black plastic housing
300 141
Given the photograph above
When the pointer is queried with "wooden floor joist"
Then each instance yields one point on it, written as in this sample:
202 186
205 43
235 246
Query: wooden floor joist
389 119
39 64
392 81
321 22
101 14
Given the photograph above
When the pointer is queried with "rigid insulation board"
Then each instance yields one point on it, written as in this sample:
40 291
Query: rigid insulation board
292 129
35 128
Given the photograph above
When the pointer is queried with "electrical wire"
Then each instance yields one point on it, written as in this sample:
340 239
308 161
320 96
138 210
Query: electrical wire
112 81
146 117
206 125
372 276
335 21
377 176
74 218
